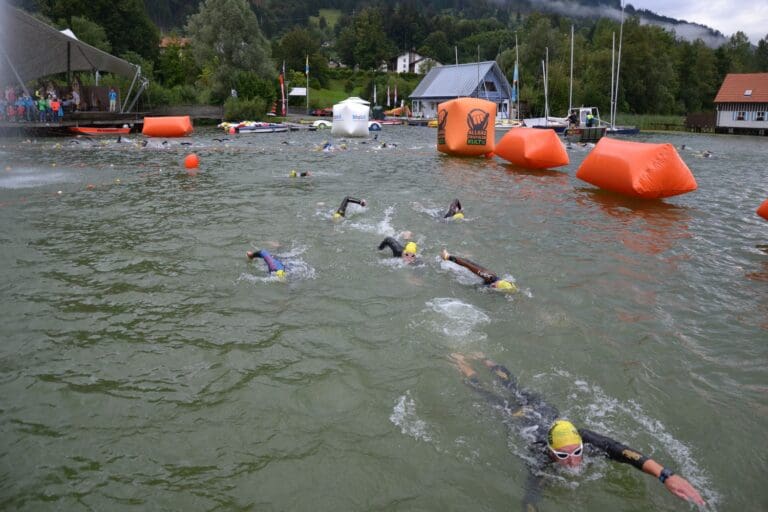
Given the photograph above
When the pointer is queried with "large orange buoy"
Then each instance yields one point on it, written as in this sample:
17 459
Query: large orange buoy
637 169
762 210
191 161
532 148
465 126
172 126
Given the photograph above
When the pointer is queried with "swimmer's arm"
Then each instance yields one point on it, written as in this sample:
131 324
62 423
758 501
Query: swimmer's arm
532 492
619 452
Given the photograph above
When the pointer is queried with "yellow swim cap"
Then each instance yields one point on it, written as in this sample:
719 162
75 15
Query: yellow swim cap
458 215
505 285
280 273
292 174
337 215
562 433
411 247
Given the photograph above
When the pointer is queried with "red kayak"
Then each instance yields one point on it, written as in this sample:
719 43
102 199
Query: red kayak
92 130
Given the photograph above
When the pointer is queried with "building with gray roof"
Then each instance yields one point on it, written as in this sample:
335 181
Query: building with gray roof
483 80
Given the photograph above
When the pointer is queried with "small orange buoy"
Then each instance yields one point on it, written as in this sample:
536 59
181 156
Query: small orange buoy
191 161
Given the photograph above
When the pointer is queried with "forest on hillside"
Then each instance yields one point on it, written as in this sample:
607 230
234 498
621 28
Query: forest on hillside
212 46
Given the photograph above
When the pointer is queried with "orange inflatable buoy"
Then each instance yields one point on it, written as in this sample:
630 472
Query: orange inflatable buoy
179 126
465 127
637 169
191 161
532 148
762 210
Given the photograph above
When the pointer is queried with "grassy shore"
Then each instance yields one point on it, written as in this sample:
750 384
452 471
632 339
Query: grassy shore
652 122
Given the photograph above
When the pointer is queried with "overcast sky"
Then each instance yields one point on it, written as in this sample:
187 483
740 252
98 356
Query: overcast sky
727 16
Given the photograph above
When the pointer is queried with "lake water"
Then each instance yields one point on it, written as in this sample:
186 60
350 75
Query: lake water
148 365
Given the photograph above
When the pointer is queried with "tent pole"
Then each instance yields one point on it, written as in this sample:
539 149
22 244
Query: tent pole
69 63
138 72
16 73
144 84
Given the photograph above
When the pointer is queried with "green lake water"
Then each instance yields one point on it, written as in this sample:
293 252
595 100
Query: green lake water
146 364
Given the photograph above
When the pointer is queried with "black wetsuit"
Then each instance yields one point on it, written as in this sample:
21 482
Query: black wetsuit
453 209
345 202
528 412
397 248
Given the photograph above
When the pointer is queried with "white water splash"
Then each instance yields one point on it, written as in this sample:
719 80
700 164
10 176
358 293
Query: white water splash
458 319
404 416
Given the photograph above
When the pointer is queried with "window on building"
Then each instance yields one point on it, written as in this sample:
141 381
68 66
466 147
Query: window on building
748 92
490 86
740 116
760 116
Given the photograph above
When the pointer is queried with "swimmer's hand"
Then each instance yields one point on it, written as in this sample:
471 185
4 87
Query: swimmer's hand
250 255
461 363
683 489
363 202
445 254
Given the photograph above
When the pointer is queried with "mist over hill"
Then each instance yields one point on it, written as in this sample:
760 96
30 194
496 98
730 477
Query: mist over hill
172 14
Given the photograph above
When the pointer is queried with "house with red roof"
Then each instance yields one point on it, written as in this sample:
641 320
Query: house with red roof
741 104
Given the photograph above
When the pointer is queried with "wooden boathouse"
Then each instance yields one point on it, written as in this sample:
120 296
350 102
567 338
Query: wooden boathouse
741 104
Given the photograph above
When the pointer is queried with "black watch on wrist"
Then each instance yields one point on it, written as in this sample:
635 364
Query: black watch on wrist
665 473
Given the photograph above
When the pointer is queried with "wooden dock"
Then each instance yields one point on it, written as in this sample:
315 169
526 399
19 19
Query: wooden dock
133 120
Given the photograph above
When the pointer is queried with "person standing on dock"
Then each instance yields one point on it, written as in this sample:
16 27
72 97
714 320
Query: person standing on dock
112 99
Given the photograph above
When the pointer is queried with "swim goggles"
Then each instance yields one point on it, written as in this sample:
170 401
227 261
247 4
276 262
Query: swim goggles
564 455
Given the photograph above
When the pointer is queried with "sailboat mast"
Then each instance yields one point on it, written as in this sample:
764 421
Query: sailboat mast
618 63
545 68
613 71
517 60
570 89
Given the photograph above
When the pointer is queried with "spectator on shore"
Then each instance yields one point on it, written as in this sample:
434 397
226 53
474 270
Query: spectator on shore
112 99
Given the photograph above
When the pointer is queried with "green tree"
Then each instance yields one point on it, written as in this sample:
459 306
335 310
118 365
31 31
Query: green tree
649 81
88 32
698 76
436 46
363 43
739 53
293 49
125 22
175 66
761 55
225 38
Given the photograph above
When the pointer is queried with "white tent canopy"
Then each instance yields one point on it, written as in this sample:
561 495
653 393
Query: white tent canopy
30 49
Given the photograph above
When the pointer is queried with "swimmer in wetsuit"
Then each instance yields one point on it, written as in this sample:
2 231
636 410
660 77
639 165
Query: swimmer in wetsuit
455 211
342 211
408 253
559 441
489 277
273 264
